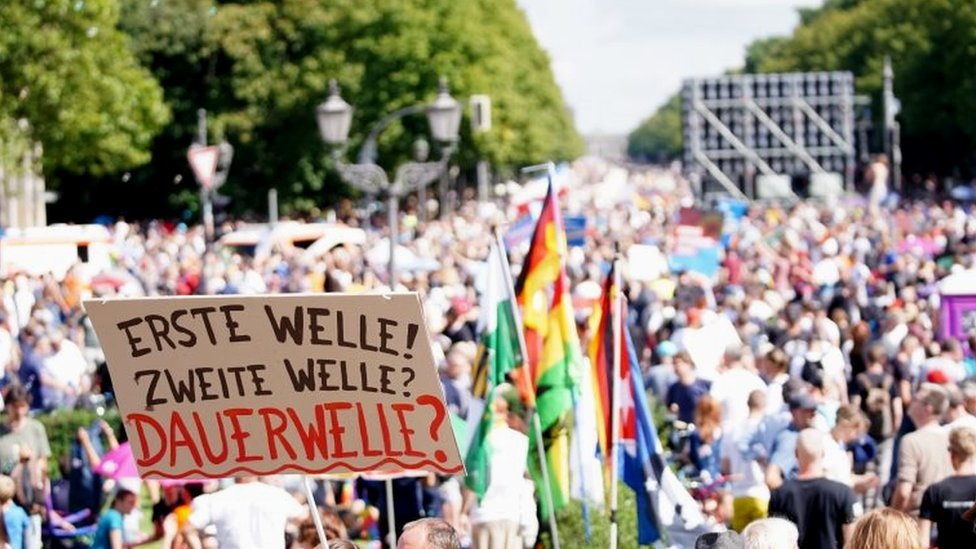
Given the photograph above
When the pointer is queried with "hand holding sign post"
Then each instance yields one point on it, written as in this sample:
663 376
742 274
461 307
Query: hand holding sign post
231 386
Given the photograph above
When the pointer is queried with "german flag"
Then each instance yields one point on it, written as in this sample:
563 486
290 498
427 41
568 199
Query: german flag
554 359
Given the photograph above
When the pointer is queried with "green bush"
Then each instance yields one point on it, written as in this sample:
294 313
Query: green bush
572 529
62 428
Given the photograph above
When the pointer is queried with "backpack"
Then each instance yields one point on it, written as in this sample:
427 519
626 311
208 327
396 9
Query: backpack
877 406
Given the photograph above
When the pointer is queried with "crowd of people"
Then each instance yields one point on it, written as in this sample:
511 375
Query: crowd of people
811 380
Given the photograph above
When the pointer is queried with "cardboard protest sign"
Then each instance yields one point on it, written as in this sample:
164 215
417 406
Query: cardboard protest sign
241 385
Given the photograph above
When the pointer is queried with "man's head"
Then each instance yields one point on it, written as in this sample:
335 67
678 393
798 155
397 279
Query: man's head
809 449
877 355
17 403
962 446
734 355
428 533
125 501
777 362
953 350
969 397
848 424
728 539
683 365
458 363
929 404
771 533
803 408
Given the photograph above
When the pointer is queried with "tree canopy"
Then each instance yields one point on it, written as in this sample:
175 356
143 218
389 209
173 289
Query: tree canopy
658 138
261 67
69 82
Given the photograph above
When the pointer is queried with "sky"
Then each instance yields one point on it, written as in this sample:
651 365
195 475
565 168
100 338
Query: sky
618 60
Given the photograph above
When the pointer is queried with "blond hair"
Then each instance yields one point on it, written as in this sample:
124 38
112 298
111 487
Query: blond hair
885 528
771 533
7 489
962 443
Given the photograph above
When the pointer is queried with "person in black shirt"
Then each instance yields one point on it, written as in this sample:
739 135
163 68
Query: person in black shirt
944 502
822 509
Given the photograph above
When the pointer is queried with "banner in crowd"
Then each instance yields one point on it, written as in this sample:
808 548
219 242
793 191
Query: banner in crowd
242 385
696 244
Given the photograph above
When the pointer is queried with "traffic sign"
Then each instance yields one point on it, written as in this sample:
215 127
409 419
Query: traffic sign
203 161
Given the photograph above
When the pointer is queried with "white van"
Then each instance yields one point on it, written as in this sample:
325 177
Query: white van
55 249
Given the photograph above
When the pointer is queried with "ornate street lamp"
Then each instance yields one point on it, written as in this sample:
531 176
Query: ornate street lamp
444 115
334 117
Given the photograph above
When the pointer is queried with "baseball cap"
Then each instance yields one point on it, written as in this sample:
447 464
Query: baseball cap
460 305
803 401
720 540
937 376
666 349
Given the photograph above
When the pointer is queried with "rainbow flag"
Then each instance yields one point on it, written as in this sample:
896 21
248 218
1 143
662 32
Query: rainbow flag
554 360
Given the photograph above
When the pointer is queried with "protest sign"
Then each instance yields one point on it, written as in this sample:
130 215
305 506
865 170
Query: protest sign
695 245
575 226
241 385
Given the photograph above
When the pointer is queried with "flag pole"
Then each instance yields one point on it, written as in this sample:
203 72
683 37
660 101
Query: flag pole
536 424
617 306
587 531
314 510
390 513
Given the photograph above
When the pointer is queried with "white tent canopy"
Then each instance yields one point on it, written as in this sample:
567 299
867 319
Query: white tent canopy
959 283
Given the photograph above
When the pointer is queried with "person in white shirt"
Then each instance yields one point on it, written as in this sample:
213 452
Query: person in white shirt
949 362
496 518
776 365
749 491
838 463
731 388
247 515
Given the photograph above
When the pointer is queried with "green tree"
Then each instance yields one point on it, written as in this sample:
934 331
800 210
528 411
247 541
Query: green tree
66 70
261 67
658 138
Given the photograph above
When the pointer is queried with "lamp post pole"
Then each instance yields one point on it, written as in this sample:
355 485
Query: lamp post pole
210 166
334 119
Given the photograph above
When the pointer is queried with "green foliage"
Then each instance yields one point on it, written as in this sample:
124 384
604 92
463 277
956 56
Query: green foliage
658 138
572 527
261 67
62 429
67 70
932 44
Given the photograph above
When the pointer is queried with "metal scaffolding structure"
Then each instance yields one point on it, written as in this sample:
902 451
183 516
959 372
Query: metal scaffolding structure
743 132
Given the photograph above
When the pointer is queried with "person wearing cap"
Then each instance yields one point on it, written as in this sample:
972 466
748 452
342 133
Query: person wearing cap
782 461
943 503
729 539
947 365
919 464
460 325
822 509
660 376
